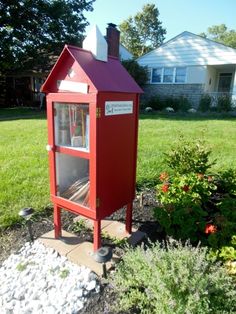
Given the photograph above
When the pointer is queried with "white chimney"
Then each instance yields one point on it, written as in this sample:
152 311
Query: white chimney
96 43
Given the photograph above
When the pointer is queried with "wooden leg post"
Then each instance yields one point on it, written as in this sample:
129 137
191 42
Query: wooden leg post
97 235
128 226
57 221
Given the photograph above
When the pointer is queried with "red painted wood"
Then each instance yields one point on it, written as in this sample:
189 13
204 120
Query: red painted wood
57 221
72 152
113 139
116 154
96 235
128 224
51 154
73 207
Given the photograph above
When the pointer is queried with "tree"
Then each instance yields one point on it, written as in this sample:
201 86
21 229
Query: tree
221 34
143 32
32 29
138 72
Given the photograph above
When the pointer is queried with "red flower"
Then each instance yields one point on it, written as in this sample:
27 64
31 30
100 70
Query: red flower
165 187
164 176
185 188
210 229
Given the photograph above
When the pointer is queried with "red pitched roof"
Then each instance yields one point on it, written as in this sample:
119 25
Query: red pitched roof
108 76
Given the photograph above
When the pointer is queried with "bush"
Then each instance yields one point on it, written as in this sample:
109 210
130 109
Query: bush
189 157
184 104
175 279
226 181
224 103
138 72
156 103
181 211
205 103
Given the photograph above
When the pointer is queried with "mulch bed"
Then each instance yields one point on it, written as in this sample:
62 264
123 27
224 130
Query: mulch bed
12 239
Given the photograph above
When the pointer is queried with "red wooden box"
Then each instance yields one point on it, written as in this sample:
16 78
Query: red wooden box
92 112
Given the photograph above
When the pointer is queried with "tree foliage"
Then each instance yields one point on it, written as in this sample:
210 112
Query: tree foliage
30 29
221 34
138 72
143 32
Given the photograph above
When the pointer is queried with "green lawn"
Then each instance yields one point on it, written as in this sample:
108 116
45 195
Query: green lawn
23 167
158 133
24 163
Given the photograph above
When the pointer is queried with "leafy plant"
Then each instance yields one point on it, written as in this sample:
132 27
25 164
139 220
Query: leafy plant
21 266
181 198
114 240
64 273
224 218
189 157
205 103
224 103
138 72
156 103
227 181
79 226
172 279
184 104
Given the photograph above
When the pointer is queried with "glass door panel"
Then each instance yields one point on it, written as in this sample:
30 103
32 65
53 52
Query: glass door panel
71 125
73 178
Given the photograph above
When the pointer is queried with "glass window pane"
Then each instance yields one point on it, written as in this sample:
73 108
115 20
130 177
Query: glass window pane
156 75
71 123
180 75
73 178
168 75
168 71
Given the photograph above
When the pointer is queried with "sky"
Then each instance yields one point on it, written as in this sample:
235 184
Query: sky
176 15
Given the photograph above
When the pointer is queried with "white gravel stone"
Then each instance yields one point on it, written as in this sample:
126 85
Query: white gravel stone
39 280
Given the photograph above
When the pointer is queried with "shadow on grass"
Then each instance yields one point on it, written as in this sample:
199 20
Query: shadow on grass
187 116
18 113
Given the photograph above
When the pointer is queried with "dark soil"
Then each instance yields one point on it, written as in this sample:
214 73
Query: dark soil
12 239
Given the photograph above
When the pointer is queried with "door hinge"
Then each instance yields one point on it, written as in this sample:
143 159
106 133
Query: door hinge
98 112
97 202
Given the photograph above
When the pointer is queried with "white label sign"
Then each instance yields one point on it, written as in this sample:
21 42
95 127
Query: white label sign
72 86
118 107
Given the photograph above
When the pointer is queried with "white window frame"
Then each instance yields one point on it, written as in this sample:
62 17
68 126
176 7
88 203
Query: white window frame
173 76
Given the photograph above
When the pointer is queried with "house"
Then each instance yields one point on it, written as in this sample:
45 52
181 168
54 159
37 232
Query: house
189 65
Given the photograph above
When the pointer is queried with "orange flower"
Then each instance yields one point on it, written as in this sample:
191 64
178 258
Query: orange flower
164 176
209 178
165 187
210 229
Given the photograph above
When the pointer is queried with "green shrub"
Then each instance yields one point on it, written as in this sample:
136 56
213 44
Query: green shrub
227 254
224 218
205 103
181 211
227 181
224 103
138 72
156 103
184 104
176 279
189 156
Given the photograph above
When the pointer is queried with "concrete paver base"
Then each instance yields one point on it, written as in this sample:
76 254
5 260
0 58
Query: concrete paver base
81 253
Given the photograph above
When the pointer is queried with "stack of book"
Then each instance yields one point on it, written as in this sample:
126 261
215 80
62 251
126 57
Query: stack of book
78 192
